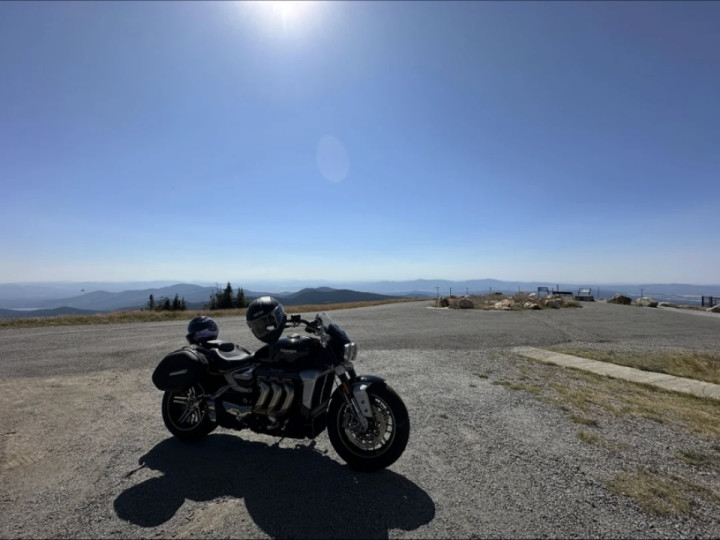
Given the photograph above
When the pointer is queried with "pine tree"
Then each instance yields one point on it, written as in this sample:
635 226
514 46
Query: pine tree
176 303
227 297
151 303
240 301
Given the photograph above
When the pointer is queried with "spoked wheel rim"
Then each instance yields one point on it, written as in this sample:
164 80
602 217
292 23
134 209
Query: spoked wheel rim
380 432
186 410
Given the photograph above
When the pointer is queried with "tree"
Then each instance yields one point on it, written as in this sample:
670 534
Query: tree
240 301
166 304
226 301
151 303
176 303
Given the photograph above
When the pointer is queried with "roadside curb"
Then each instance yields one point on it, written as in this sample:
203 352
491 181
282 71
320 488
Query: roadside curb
667 382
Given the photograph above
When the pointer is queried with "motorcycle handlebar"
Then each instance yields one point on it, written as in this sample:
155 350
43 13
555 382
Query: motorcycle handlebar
310 326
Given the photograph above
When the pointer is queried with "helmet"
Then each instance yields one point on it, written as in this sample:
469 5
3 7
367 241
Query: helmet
266 318
201 329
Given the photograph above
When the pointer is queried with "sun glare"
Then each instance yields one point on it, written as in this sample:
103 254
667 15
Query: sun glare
290 12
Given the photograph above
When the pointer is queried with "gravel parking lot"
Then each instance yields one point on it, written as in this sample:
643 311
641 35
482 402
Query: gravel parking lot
84 452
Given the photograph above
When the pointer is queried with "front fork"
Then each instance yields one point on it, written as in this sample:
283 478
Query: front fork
356 396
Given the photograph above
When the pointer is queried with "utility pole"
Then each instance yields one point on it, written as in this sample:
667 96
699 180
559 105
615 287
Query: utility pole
450 291
466 291
641 292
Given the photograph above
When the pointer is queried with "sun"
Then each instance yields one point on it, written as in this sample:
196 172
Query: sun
284 18
290 12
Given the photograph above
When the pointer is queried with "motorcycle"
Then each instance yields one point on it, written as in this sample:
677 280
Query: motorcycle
296 387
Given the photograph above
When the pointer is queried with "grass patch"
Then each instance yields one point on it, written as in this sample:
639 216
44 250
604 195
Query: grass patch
532 388
583 420
695 458
658 493
588 436
590 395
139 316
699 365
591 437
621 398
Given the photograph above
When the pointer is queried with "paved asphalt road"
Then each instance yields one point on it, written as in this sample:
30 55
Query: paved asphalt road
84 452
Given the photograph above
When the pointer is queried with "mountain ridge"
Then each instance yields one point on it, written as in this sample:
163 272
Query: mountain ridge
27 296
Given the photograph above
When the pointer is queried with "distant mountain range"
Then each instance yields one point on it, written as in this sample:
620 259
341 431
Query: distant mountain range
195 296
17 313
103 297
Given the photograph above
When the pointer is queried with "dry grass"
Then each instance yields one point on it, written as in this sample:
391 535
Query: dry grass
695 458
136 316
590 397
591 401
660 493
699 365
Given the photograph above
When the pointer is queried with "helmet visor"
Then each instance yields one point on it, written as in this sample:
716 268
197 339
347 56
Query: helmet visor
267 323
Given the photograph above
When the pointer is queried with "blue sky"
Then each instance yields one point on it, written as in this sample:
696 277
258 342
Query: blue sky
565 141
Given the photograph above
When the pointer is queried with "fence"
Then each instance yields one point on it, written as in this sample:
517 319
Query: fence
709 301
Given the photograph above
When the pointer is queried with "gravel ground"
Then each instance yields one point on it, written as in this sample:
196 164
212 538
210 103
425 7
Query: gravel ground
84 452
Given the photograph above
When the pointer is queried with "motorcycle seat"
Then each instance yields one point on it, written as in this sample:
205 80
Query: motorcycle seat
225 356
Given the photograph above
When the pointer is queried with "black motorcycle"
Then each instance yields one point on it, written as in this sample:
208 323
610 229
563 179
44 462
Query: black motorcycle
296 386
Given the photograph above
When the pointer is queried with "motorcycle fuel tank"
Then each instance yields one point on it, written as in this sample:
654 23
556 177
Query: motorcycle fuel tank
290 349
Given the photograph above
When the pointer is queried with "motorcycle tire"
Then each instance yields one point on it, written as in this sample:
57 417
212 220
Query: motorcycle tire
386 437
186 415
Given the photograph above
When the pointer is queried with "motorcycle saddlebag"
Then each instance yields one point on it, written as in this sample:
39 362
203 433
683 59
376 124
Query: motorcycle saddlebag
179 369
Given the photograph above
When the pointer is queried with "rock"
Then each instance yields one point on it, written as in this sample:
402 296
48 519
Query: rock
531 305
444 302
714 309
620 299
647 301
503 304
466 303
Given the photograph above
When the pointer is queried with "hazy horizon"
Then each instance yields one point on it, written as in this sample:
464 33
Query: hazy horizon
237 283
571 142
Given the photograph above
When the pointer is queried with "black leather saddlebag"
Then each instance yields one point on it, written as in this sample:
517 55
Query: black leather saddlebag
179 369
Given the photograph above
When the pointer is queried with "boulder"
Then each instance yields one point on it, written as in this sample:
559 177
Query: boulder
647 301
503 304
466 303
444 302
714 309
620 299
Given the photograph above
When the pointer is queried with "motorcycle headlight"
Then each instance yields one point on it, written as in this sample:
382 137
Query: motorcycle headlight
350 352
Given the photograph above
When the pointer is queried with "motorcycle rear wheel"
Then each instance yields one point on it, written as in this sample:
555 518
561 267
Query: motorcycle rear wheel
386 437
186 415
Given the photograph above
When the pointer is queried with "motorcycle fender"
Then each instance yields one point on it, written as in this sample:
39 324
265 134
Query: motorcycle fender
359 386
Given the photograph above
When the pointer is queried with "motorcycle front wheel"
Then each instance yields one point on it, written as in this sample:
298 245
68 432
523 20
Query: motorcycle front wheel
384 440
185 414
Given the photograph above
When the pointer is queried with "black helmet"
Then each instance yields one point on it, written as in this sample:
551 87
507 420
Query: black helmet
201 329
266 318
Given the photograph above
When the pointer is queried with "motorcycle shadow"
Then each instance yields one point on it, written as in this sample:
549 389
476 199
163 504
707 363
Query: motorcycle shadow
289 492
